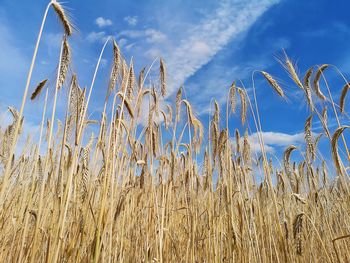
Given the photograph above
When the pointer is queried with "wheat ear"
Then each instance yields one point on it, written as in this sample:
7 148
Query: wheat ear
334 143
61 13
342 97
162 71
316 81
38 89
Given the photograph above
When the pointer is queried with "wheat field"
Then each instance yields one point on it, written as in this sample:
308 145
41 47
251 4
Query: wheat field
176 188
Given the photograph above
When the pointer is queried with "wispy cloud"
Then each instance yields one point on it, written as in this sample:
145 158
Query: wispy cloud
204 40
131 20
103 22
93 37
151 35
52 41
274 140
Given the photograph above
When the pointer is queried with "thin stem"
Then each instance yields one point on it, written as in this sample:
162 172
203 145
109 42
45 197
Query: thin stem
41 200
20 115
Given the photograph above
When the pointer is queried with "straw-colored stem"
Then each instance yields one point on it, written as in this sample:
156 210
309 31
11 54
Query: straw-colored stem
24 98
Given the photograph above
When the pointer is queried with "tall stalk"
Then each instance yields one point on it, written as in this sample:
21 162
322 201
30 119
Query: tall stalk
41 199
67 194
34 177
24 98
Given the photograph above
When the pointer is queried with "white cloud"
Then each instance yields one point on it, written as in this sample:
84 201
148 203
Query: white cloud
153 53
132 33
206 39
144 112
281 43
131 20
154 36
205 88
273 140
122 42
53 40
103 22
96 36
151 35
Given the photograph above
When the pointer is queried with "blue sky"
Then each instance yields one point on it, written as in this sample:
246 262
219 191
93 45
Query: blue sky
205 44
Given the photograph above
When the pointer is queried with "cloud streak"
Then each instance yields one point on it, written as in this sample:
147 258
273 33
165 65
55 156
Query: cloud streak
93 37
211 35
274 140
150 35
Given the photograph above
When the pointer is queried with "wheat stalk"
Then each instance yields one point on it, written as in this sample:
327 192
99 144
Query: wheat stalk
115 68
162 73
308 137
64 63
178 103
342 97
61 13
242 95
297 232
286 158
232 96
307 80
131 81
292 72
324 121
246 149
335 152
38 89
127 104
273 83
316 81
